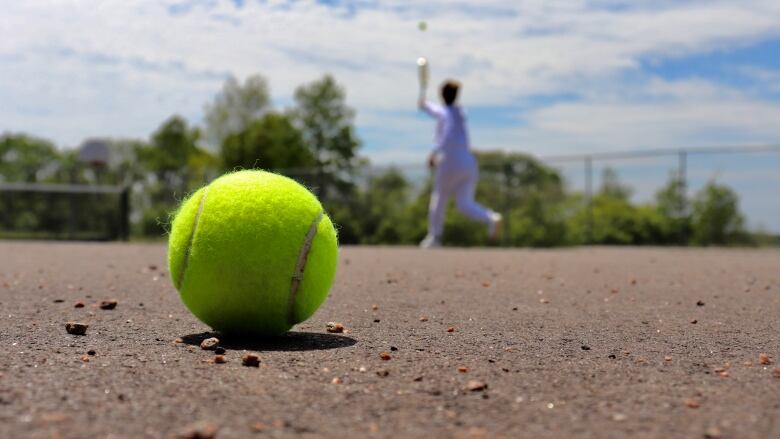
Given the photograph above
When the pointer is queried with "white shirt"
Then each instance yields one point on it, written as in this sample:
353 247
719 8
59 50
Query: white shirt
451 138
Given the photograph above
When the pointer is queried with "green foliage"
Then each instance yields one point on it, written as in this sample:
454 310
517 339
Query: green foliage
530 193
271 142
672 205
612 187
315 142
172 144
169 158
616 221
716 217
235 107
383 216
58 216
384 212
326 123
25 158
165 170
155 222
534 202
611 218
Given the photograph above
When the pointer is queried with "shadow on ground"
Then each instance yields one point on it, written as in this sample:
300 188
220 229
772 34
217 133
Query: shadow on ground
288 342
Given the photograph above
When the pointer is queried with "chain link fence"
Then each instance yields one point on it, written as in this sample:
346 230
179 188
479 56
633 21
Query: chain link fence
400 192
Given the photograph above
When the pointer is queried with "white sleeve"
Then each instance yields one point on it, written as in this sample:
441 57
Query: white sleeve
434 110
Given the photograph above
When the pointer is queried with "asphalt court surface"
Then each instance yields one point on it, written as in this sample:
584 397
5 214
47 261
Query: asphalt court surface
586 342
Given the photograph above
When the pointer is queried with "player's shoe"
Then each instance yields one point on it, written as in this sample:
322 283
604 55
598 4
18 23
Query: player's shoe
430 241
495 226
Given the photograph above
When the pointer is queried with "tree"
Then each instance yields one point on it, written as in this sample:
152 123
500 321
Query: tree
24 158
612 186
615 221
672 205
168 161
326 122
529 193
235 108
173 143
271 142
383 207
716 218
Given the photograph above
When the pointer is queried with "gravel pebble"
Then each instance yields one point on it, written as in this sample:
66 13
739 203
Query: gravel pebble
250 360
76 328
108 304
199 430
476 385
209 344
334 327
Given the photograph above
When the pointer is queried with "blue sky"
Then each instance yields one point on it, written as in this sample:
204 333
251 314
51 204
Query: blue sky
543 77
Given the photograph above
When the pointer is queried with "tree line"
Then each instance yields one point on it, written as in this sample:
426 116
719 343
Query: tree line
314 141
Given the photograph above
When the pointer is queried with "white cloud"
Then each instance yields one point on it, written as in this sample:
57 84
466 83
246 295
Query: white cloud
78 69
645 114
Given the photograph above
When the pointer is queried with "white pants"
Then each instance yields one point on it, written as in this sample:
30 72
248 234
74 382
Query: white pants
455 178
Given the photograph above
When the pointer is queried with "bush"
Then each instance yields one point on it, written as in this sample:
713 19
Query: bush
716 219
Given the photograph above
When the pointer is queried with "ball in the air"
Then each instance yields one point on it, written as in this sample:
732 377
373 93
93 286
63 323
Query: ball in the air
252 253
422 26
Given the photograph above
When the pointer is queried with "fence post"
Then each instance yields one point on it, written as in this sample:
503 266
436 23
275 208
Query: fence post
508 167
682 175
71 233
124 214
589 199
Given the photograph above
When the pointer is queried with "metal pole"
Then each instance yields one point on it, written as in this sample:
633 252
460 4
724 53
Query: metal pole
683 188
72 215
508 167
124 214
589 198
683 175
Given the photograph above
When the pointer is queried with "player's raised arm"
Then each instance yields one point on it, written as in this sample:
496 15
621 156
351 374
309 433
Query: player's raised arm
422 70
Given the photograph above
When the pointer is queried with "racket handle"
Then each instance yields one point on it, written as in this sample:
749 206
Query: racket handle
422 70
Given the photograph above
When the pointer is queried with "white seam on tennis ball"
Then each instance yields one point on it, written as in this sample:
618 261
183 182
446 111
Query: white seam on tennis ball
191 240
300 267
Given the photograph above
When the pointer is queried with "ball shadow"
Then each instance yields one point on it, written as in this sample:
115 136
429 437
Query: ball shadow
288 342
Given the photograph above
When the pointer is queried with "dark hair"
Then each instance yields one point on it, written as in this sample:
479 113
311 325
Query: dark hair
449 91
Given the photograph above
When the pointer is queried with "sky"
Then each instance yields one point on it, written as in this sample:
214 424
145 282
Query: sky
539 76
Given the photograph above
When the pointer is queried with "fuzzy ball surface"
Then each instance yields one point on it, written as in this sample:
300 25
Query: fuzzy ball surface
252 253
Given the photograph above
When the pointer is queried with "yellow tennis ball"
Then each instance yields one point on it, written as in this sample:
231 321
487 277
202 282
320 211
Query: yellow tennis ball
252 253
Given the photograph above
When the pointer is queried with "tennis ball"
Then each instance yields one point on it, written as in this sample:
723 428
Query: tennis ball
252 253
